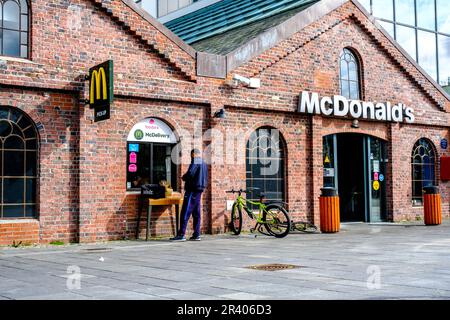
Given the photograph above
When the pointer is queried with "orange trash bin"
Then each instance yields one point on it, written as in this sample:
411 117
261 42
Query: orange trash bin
330 217
432 206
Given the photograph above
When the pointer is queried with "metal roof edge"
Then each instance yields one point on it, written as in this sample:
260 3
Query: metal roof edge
283 31
398 47
160 27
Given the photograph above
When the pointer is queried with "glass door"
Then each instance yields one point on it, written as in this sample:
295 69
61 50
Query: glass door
376 186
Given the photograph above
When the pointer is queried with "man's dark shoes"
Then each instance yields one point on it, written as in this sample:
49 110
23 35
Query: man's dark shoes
195 238
178 238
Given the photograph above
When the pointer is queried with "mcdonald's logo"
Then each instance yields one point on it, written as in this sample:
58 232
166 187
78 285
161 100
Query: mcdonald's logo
101 84
101 89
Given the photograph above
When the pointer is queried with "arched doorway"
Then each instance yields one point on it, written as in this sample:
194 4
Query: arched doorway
355 165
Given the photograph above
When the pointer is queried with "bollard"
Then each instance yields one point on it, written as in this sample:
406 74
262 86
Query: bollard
432 206
330 217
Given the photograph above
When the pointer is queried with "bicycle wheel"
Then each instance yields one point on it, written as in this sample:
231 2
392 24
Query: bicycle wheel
277 221
236 219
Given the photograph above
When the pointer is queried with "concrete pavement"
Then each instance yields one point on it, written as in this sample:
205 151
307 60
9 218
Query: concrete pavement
363 261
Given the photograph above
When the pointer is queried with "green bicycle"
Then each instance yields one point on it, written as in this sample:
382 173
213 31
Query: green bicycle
271 215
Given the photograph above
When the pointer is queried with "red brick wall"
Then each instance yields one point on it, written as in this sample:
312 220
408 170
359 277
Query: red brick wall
82 164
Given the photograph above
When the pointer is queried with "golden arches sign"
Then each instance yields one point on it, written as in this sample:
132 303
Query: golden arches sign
98 84
101 90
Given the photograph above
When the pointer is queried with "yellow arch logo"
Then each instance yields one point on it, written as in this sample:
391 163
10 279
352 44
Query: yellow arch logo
98 83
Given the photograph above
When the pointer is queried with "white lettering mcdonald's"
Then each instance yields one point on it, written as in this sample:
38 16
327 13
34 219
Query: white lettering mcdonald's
339 106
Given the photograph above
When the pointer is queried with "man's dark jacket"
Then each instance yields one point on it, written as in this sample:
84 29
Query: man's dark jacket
196 177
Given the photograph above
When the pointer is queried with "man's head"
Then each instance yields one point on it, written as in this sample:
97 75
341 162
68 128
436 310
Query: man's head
195 153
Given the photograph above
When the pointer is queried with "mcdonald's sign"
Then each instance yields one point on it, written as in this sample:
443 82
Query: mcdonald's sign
101 90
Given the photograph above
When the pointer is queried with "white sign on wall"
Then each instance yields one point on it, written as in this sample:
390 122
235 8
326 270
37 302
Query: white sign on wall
152 130
340 106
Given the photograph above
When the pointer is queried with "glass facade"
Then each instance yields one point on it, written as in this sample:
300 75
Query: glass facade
164 7
422 28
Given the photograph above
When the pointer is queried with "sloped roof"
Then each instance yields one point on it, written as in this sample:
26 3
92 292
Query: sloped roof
226 15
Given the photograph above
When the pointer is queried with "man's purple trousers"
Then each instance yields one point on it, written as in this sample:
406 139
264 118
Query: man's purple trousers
191 206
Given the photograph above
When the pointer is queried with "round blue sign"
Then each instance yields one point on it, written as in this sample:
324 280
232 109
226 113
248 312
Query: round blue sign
444 144
381 177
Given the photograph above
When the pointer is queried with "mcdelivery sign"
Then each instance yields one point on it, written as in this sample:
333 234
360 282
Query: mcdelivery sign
340 106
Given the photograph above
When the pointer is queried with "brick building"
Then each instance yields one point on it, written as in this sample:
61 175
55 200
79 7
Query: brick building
65 177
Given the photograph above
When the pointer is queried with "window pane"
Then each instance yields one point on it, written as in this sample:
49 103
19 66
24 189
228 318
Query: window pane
383 9
31 164
444 59
404 11
389 27
31 144
30 133
443 16
366 4
23 6
11 43
14 142
24 38
354 90
13 190
425 14
184 3
162 7
13 211
14 163
159 164
352 71
143 160
30 211
24 22
30 196
427 52
172 5
11 15
406 37
5 128
344 70
24 122
345 89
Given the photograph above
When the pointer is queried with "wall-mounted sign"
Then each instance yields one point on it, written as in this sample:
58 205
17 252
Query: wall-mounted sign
444 144
340 106
328 172
133 147
101 90
376 166
132 168
133 157
381 177
376 185
376 176
152 130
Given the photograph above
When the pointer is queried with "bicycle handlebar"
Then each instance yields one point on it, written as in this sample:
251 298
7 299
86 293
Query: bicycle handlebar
242 191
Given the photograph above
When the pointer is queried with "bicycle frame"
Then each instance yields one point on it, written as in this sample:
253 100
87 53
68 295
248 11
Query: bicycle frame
242 203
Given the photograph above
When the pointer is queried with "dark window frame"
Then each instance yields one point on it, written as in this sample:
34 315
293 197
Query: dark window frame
348 81
281 181
27 31
422 148
34 164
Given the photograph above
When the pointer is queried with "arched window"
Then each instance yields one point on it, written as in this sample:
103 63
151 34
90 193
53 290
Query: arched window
18 164
349 75
423 169
149 150
265 164
14 28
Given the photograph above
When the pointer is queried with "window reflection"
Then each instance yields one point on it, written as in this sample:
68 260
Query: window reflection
444 59
404 11
427 52
383 8
389 27
443 16
425 14
406 37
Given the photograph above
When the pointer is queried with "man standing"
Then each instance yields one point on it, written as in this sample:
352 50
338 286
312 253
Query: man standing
196 180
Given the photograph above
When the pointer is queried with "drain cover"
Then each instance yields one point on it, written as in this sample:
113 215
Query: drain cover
273 267
95 250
